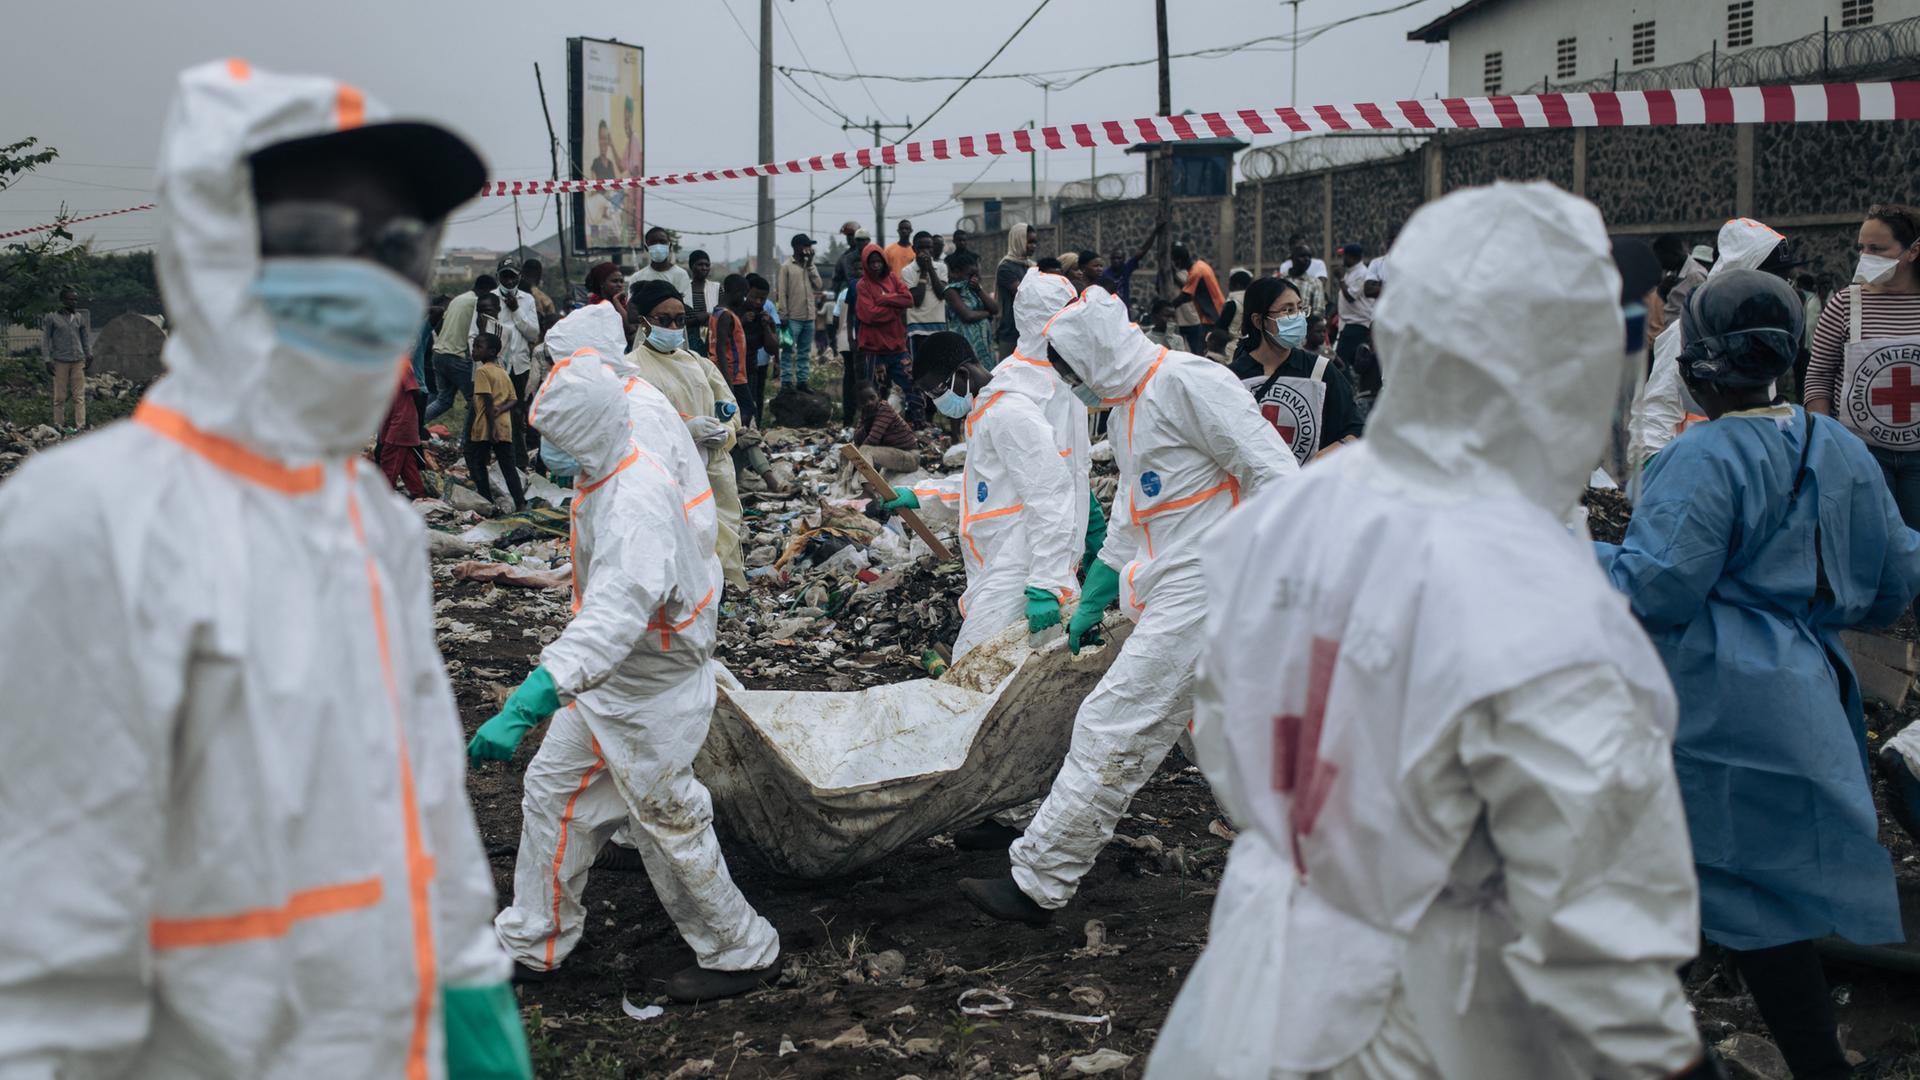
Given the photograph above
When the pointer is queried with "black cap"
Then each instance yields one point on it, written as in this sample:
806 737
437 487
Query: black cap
802 240
436 168
1639 267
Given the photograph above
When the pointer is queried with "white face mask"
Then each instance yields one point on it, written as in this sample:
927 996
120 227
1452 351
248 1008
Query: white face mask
658 252
1875 269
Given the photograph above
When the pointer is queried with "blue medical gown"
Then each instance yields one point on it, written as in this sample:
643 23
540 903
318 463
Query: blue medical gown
1771 748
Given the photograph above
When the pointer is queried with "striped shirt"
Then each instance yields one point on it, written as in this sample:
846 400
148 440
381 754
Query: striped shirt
1886 315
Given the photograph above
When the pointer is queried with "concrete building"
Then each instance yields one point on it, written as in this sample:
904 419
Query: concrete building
995 205
1512 46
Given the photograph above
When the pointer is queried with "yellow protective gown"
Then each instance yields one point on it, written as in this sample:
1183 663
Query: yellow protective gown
695 387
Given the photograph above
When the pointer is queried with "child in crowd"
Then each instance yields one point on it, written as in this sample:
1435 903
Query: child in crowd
490 434
400 439
884 436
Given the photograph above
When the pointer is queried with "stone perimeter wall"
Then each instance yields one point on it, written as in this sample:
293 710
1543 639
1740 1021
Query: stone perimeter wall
1811 181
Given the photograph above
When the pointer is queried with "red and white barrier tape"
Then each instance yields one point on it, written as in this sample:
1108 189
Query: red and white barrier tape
1622 108
1606 108
75 221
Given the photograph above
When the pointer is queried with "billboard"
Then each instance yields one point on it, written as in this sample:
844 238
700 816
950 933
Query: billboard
606 119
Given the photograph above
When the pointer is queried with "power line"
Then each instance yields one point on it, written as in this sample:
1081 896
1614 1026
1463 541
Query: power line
835 20
1081 74
855 174
794 40
728 6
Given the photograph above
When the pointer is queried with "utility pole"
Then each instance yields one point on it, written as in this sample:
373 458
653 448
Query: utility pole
1033 187
1293 92
1164 160
878 173
765 232
559 224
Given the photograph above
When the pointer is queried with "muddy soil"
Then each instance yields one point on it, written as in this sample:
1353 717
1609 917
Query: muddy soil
844 1010
1154 920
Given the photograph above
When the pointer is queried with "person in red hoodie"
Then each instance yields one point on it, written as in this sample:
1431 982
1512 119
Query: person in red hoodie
400 441
880 306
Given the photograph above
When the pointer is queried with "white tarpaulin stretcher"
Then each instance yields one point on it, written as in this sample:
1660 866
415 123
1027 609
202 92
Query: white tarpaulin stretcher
825 783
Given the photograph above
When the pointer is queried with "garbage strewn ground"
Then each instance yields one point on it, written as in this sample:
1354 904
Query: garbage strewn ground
890 974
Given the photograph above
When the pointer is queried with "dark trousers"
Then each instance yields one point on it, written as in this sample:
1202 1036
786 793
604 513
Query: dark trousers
858 373
759 378
1902 470
479 454
525 439
749 405
1196 337
452 377
401 464
897 367
1354 347
1790 990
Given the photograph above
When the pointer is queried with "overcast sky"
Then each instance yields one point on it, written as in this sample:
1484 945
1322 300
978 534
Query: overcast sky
93 77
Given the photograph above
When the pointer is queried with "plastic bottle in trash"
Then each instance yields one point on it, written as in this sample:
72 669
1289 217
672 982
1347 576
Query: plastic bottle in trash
932 661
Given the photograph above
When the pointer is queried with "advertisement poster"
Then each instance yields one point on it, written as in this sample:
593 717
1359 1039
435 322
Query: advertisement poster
608 120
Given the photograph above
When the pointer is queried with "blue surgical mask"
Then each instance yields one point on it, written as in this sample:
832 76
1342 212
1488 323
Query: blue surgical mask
1087 397
1288 331
658 252
665 339
953 405
558 461
344 309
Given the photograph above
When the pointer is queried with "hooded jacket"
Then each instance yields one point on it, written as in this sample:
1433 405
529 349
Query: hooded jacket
1187 437
1663 407
235 777
880 305
658 427
641 576
1027 369
1444 738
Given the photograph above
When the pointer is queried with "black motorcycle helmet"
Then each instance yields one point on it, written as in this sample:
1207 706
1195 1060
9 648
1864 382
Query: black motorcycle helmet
1742 328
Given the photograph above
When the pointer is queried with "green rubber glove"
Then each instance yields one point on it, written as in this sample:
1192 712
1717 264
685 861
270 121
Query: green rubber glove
1102 588
1043 609
1096 532
903 499
531 702
484 1038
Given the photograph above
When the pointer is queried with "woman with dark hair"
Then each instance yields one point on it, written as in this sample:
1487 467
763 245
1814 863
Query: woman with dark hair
607 285
1859 373
1306 397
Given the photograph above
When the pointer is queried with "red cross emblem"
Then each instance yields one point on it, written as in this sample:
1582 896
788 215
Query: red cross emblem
1297 767
1898 393
1284 426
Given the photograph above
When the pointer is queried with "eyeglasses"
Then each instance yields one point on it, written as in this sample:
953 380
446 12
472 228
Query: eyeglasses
671 322
1287 311
404 245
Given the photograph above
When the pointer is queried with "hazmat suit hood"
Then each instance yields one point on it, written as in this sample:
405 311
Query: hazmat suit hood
1098 340
1744 245
227 371
1521 413
582 408
1040 298
598 327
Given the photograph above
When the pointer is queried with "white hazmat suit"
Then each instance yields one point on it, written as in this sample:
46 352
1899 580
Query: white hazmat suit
1663 408
633 668
233 812
658 427
1190 445
1443 735
1022 498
